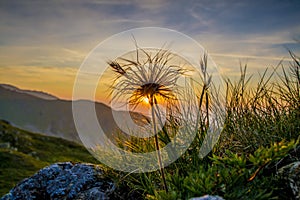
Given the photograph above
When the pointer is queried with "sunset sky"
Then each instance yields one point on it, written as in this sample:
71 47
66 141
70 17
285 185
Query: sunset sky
43 43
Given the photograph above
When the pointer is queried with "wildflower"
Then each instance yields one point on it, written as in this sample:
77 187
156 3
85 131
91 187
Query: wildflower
153 79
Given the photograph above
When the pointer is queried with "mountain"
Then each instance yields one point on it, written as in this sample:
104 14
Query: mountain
44 113
23 153
38 94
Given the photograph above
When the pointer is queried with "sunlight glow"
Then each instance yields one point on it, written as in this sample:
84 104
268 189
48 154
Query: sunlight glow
146 100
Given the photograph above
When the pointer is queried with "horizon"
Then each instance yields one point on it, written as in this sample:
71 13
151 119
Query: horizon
141 109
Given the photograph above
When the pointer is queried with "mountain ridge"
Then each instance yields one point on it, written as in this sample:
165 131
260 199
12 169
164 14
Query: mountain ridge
39 94
52 117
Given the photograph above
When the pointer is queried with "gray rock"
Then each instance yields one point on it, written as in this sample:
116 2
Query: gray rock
64 181
207 197
291 174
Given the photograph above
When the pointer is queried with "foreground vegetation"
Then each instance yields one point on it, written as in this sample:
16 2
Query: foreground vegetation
260 135
23 153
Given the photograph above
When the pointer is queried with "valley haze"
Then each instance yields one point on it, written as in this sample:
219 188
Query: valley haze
44 113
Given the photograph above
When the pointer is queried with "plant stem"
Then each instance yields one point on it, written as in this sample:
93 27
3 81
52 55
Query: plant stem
152 101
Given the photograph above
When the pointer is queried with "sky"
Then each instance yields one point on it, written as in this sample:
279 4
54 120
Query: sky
43 43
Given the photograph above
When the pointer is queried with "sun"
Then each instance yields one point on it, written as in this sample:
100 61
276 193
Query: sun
146 100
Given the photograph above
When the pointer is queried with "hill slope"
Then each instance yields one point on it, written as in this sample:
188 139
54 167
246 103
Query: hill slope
23 153
52 117
39 94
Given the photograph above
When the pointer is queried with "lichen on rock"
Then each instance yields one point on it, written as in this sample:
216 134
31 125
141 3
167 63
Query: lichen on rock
64 181
290 174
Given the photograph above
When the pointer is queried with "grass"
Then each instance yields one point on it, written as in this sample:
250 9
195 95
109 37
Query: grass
261 129
29 152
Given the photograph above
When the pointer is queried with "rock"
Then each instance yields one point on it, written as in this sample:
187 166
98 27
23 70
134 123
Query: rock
290 174
207 197
64 181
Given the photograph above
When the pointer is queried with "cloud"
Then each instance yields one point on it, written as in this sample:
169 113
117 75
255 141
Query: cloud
53 80
59 34
259 50
40 56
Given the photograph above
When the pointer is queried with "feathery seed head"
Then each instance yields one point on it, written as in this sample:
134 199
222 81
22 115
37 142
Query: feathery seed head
153 78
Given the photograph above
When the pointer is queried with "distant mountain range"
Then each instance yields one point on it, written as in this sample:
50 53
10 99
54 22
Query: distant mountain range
44 113
38 94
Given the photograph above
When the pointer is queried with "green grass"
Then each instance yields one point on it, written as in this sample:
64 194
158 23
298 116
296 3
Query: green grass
261 128
29 152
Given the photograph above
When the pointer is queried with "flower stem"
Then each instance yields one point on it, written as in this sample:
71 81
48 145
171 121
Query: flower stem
152 101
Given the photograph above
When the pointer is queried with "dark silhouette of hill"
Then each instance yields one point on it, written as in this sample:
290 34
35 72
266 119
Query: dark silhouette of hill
40 94
50 116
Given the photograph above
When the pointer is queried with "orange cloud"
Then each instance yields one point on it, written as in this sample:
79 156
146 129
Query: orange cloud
54 80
